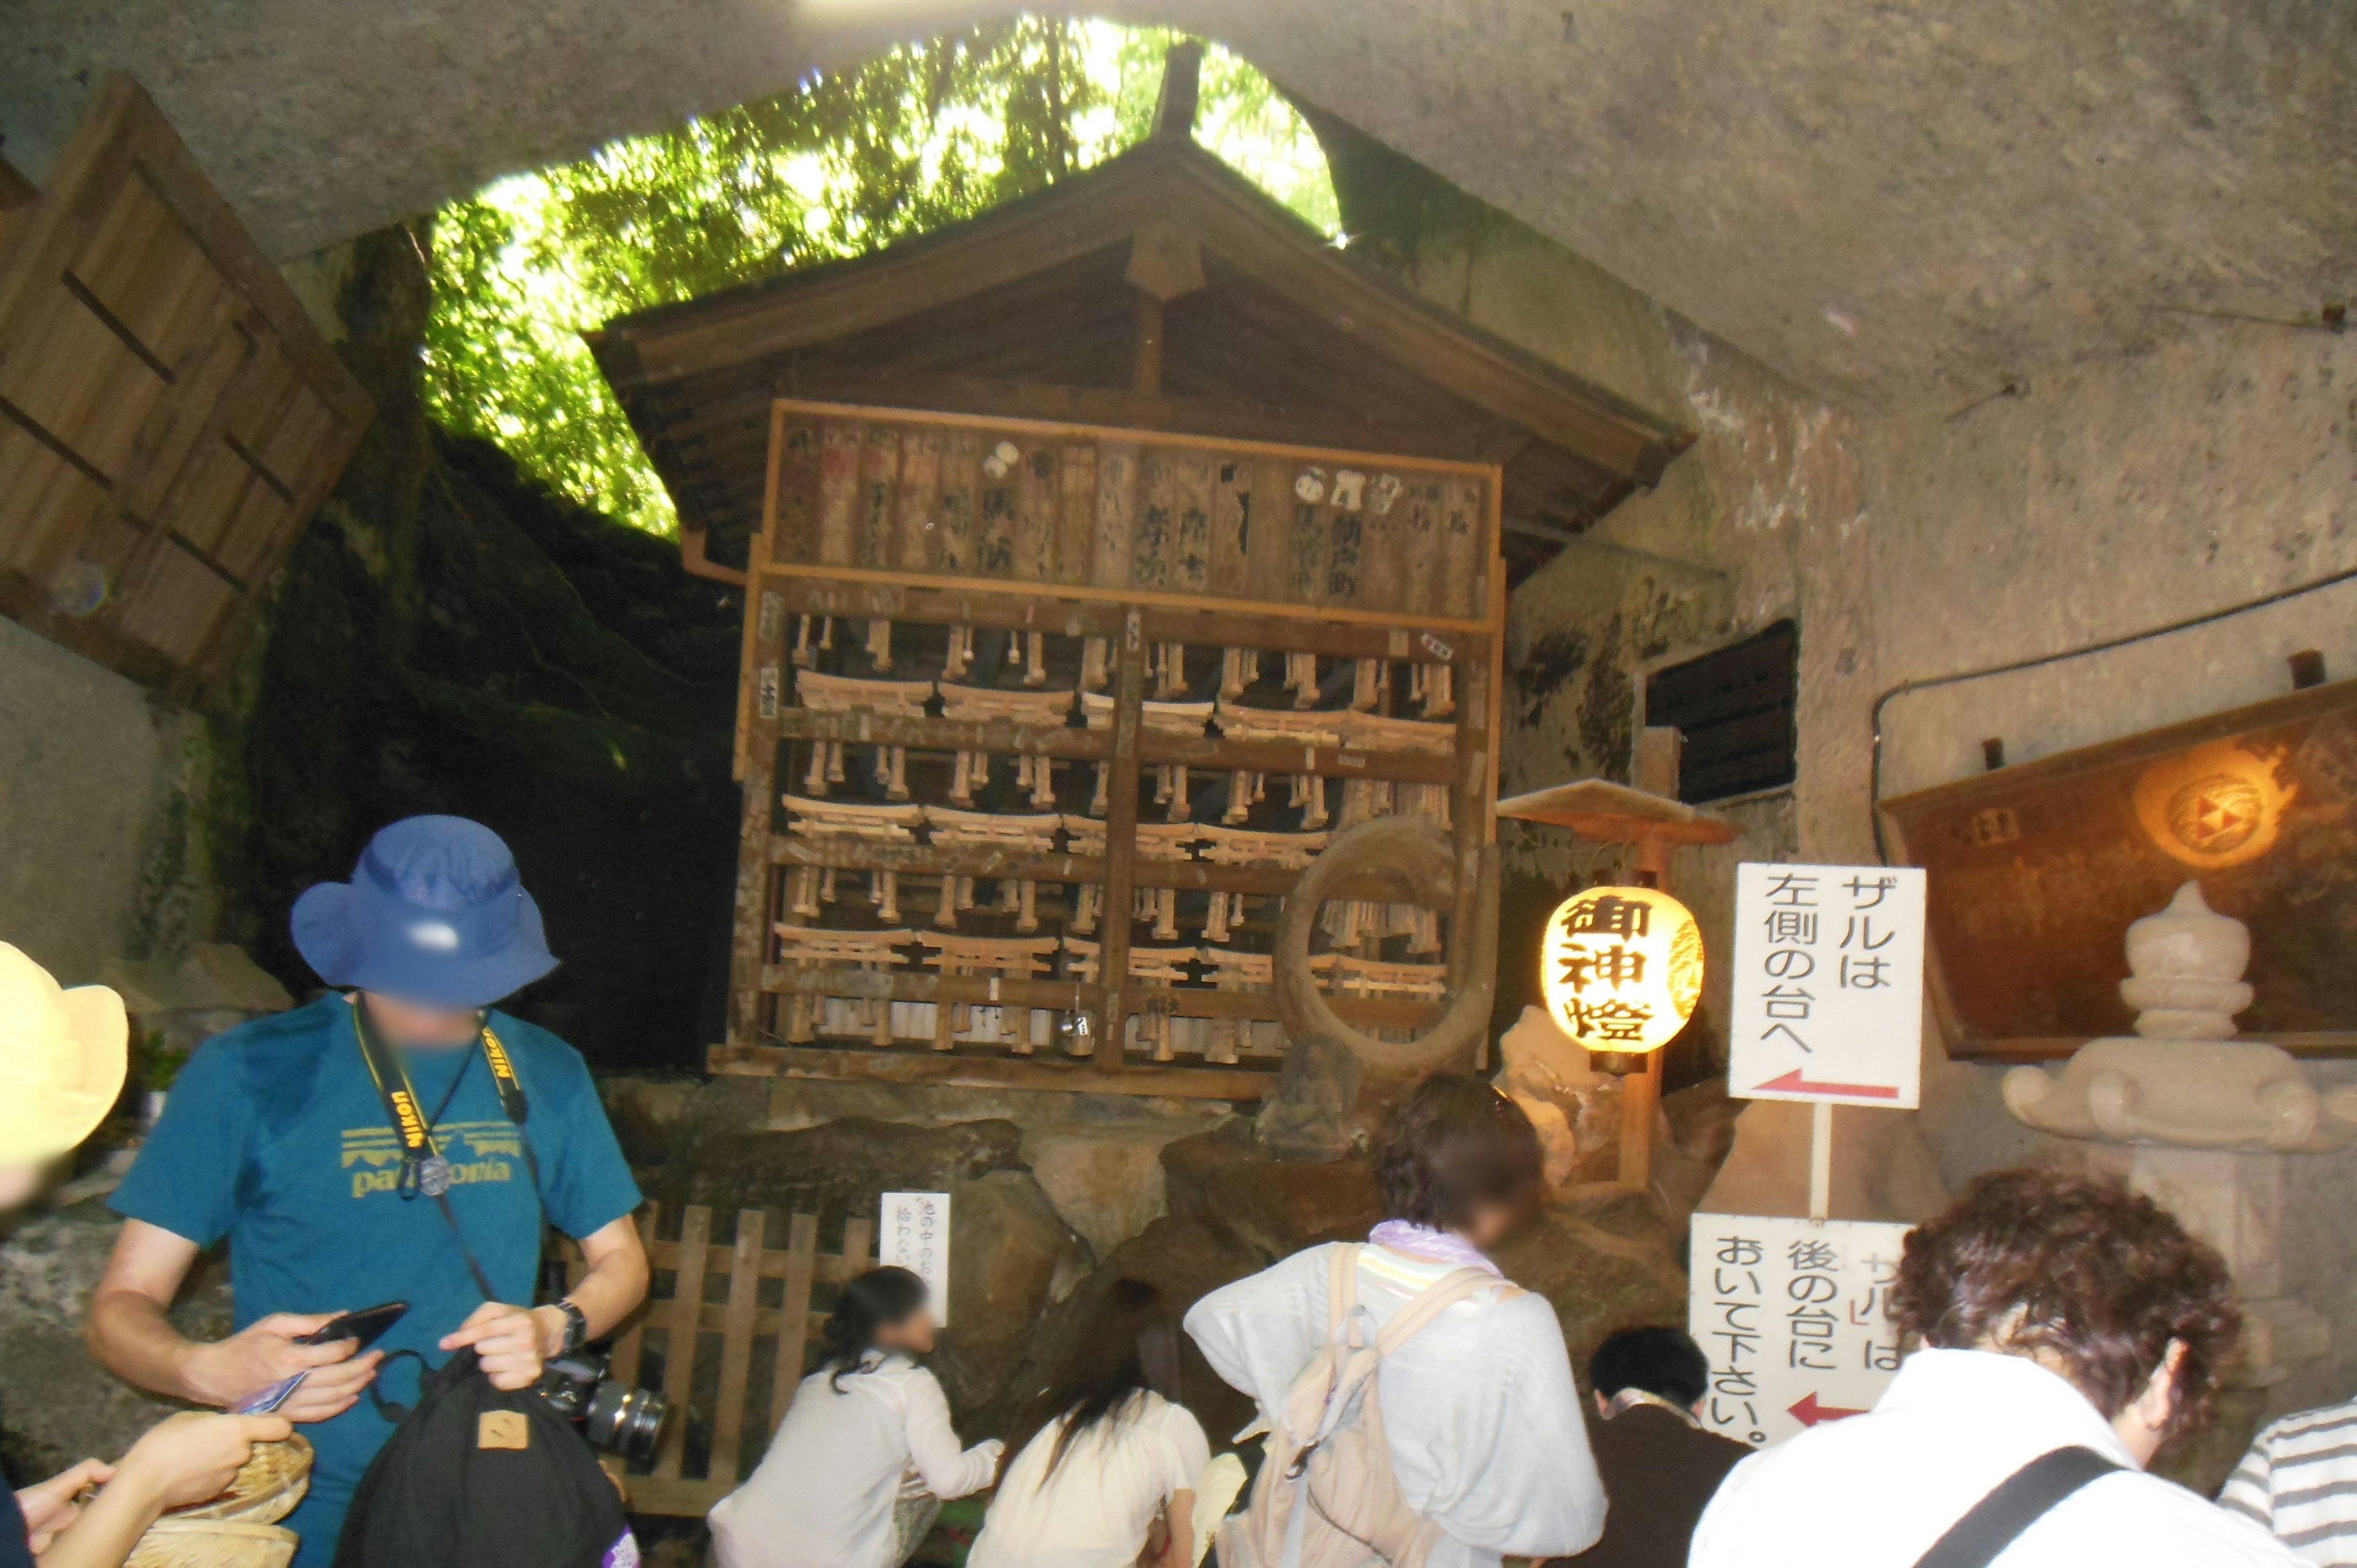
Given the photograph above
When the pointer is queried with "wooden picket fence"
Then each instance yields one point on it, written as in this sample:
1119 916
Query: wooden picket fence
739 1324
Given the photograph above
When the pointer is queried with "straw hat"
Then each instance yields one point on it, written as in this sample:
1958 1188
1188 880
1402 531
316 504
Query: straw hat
62 1056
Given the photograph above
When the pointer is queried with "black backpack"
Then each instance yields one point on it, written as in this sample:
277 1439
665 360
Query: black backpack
475 1477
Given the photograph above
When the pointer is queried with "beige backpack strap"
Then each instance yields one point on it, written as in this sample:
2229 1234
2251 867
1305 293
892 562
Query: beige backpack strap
1342 1289
1437 1298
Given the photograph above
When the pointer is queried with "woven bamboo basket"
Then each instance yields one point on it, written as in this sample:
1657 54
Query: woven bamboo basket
212 1543
239 1528
265 1488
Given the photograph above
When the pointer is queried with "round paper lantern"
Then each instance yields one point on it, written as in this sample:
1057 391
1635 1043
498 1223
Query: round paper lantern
1621 967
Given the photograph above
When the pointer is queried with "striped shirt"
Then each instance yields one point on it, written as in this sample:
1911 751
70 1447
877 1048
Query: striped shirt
2299 1479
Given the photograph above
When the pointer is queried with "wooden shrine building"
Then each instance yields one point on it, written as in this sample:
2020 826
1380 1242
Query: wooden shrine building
1104 555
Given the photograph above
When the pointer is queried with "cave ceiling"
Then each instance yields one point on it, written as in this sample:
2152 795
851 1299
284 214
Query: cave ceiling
1891 203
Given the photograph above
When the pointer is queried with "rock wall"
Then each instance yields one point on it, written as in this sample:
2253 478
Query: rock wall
55 1405
95 807
2120 494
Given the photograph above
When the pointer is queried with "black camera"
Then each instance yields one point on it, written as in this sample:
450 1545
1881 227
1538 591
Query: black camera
612 1415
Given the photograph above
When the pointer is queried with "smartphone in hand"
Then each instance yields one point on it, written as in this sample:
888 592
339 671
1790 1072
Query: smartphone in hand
367 1326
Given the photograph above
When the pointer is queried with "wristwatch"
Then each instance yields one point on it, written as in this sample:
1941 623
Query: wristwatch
576 1328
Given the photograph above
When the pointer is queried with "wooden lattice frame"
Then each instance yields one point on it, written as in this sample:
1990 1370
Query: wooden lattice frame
1131 620
682 1315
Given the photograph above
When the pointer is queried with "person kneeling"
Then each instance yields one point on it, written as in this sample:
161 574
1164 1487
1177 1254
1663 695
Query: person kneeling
62 1056
1114 1469
824 1496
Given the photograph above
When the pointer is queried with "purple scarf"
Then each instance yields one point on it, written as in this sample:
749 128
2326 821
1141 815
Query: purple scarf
1438 1246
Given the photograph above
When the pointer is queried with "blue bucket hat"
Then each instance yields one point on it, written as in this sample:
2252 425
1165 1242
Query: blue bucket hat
434 914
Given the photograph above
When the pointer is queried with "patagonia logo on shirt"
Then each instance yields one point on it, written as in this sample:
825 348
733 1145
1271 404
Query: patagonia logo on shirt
478 1152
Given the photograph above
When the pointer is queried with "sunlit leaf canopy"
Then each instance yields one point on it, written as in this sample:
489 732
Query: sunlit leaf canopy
845 163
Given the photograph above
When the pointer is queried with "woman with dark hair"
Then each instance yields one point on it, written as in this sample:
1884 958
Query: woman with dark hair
1114 1464
824 1495
1482 1423
2066 1329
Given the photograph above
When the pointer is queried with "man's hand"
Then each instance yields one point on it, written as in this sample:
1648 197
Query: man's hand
265 1351
55 1503
510 1341
190 1458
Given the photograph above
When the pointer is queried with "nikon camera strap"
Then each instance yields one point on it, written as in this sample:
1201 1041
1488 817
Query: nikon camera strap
424 1166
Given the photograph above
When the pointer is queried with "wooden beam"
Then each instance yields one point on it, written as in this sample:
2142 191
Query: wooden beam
697 564
985 860
1182 85
1042 611
743 414
1145 364
1072 995
1150 747
991 1072
1142 597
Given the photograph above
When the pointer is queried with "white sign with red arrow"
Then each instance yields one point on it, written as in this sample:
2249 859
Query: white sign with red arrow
1794 1316
1827 998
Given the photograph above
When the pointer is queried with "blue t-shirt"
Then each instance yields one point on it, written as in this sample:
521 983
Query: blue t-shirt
15 1539
273 1135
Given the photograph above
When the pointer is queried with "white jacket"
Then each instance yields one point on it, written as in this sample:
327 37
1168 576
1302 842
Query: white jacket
822 1496
1487 1436
1876 1490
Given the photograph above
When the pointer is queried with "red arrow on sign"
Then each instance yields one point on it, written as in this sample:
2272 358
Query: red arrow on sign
1794 1083
1808 1412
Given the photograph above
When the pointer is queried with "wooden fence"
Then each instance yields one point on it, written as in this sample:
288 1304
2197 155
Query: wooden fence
698 1314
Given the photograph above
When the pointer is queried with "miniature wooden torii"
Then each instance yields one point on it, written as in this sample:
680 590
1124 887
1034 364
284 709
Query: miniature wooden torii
1654 824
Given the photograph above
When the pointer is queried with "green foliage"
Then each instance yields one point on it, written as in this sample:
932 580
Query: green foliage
925 136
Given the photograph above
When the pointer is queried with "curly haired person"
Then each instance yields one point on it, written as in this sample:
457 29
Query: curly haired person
2066 1329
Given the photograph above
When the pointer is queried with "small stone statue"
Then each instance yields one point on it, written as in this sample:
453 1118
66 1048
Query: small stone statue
2183 1079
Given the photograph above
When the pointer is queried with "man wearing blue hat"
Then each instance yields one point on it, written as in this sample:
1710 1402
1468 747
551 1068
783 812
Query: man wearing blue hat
395 1140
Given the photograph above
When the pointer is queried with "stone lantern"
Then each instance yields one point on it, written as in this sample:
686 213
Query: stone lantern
2213 1127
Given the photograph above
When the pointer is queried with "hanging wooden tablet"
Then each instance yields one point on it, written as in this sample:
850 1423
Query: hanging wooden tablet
1419 511
957 515
872 546
993 537
796 535
1311 538
1116 512
1076 512
1039 492
1266 485
838 492
919 494
1386 566
1191 502
1155 541
1464 566
1231 530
